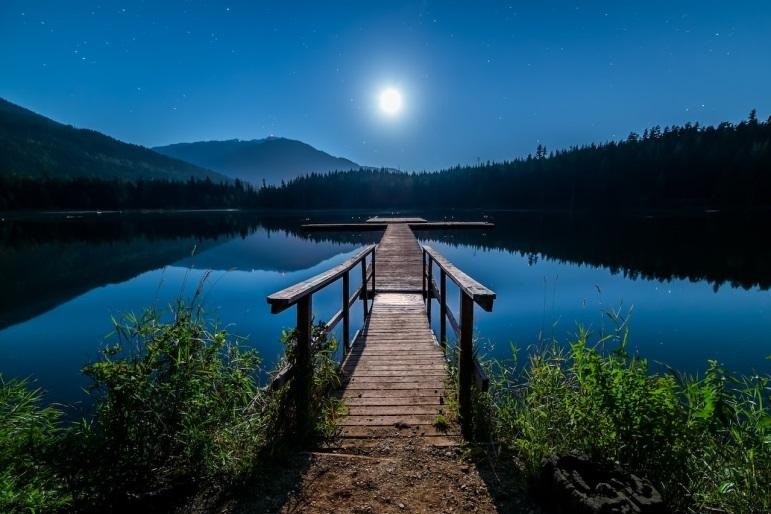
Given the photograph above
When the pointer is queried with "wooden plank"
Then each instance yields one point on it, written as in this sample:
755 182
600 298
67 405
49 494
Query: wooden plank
433 225
389 421
392 431
436 386
422 225
380 365
439 441
359 378
437 402
413 372
378 219
391 393
393 410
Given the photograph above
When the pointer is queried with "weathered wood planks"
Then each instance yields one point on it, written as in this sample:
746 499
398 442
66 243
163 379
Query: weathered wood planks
395 372
422 225
379 219
399 262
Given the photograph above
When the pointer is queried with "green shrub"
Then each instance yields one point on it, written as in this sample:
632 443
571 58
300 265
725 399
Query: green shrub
28 435
704 441
175 401
322 409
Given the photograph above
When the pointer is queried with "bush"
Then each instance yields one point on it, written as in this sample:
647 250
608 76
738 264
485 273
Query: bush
28 435
175 402
322 409
704 441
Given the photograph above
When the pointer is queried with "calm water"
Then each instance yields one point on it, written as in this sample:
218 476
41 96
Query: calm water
697 288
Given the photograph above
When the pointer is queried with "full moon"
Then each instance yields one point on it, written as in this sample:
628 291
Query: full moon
390 101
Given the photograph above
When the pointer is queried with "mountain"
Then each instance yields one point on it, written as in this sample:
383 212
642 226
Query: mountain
272 159
32 145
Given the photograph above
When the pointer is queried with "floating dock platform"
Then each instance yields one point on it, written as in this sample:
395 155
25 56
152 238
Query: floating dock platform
380 223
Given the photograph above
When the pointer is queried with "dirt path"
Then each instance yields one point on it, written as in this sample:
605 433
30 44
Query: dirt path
393 476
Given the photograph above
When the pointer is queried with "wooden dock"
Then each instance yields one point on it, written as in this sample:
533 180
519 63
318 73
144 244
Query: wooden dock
394 370
379 223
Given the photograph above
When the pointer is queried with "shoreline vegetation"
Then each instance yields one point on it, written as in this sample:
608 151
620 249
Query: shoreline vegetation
178 410
722 167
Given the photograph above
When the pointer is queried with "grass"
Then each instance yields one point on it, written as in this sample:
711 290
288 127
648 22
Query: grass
177 404
704 441
441 422
176 401
177 407
29 482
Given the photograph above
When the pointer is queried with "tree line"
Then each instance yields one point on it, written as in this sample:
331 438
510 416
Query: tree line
714 167
96 194
722 167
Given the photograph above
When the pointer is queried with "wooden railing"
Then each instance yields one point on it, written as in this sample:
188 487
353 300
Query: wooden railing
301 295
471 292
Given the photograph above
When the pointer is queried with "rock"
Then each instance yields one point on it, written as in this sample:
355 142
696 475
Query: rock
574 484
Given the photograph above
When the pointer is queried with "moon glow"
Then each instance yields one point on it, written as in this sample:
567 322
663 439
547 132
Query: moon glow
390 101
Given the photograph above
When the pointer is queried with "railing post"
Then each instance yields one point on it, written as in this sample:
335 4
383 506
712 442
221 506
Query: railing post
303 374
443 308
465 362
364 288
429 287
424 275
373 270
346 318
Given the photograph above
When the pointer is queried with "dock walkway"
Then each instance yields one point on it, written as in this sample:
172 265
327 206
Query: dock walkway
395 370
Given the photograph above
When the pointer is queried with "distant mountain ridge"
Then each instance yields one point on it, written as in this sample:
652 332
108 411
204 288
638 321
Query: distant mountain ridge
32 145
272 159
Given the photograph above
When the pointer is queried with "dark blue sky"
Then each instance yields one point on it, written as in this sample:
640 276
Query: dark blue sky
486 80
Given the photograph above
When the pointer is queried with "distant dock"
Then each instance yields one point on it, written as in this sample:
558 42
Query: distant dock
381 223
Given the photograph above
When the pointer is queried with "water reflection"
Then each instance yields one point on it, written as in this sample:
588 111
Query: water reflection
47 261
67 278
64 278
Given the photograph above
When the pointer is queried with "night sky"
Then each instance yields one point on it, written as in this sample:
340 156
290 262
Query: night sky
487 80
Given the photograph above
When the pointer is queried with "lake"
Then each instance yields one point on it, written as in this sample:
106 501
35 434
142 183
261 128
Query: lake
694 287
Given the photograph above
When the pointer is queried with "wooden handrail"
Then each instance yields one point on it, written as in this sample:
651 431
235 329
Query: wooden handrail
471 292
301 294
285 298
481 295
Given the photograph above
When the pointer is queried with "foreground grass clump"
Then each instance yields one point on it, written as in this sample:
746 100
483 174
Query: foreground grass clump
322 410
175 401
28 436
705 442
177 407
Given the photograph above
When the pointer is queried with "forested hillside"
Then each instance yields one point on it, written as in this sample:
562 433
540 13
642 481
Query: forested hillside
271 160
35 146
689 167
728 166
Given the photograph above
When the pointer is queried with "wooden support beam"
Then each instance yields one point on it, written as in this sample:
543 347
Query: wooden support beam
466 363
364 289
443 308
430 280
346 314
303 372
